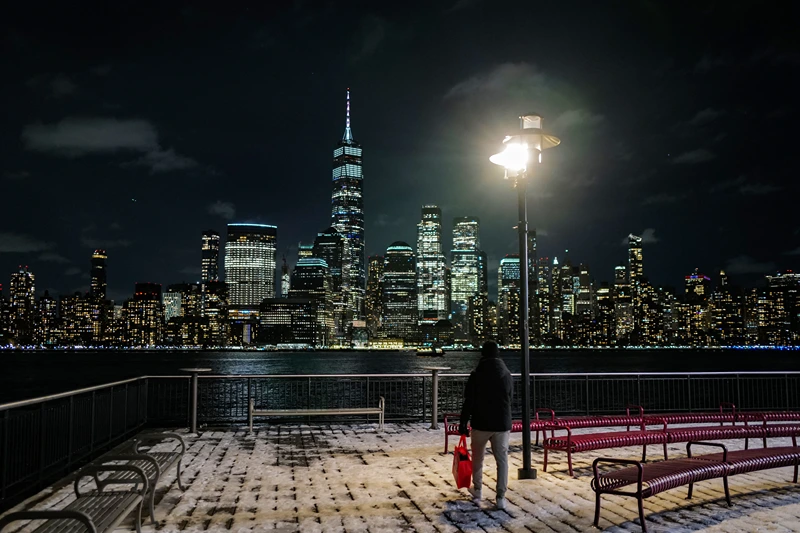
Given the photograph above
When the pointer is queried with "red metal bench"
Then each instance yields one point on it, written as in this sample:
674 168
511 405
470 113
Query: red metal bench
653 478
616 439
452 427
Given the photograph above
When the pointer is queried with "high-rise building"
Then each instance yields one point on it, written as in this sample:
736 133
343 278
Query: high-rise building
330 246
374 303
347 214
4 317
288 320
76 319
623 310
215 309
285 279
311 280
99 282
250 264
47 320
172 304
728 313
189 300
431 289
304 250
22 300
465 272
697 287
209 269
144 315
544 298
635 276
399 293
604 331
508 300
556 323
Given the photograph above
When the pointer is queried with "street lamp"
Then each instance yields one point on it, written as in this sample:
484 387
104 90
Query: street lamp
522 152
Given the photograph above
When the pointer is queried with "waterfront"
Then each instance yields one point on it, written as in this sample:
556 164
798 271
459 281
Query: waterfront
27 374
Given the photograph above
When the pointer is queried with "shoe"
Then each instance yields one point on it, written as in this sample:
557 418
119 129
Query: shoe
500 504
476 494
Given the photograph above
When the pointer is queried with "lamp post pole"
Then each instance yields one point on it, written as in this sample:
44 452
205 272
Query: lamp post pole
521 184
522 150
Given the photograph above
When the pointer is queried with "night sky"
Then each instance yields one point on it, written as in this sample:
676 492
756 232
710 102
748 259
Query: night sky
133 127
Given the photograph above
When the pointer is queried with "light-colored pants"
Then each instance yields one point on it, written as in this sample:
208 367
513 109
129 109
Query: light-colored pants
499 441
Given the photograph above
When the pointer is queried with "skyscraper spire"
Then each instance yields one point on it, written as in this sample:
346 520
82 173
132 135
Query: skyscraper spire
348 134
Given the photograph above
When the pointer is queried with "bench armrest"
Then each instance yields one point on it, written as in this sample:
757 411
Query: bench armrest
701 443
546 410
49 515
622 462
634 406
652 421
95 469
130 457
728 405
151 438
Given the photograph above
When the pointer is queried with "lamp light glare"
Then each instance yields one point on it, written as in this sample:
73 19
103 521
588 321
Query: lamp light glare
514 158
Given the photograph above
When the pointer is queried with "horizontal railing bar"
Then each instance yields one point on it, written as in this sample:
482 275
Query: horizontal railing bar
32 401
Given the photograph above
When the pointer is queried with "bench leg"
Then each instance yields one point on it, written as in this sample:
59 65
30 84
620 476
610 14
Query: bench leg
765 442
727 492
139 517
746 443
178 475
152 504
689 496
641 513
569 463
665 451
795 474
644 453
544 468
597 509
445 441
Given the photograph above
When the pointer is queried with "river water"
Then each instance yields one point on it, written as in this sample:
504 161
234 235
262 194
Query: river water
30 374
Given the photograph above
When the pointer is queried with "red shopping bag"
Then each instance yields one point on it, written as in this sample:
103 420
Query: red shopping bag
462 464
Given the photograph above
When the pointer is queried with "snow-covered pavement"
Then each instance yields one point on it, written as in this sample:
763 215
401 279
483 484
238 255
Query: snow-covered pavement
354 478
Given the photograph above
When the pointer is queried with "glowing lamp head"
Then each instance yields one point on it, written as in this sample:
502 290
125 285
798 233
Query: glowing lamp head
525 147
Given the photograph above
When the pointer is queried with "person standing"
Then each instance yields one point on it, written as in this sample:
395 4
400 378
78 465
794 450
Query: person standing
487 406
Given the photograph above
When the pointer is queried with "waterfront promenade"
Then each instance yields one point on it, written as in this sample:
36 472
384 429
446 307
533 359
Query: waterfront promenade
353 478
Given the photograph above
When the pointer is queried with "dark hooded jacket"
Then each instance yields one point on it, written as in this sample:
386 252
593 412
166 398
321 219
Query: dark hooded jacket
487 397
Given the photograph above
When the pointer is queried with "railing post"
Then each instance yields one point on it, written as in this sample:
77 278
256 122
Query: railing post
6 422
533 391
638 389
788 401
738 392
42 441
689 390
435 393
249 395
193 402
587 394
125 412
71 430
308 395
424 399
111 414
91 431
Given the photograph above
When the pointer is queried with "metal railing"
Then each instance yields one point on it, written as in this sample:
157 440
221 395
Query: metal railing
45 438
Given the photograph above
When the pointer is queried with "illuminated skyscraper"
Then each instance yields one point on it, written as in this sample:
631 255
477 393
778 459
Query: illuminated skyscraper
172 304
431 289
697 287
209 270
215 309
285 279
250 263
508 303
373 304
623 311
144 315
311 280
347 215
603 333
22 300
399 293
47 320
465 276
635 275
99 282
544 297
330 246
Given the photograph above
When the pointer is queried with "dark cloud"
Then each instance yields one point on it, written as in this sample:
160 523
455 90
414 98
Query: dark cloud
16 174
460 5
369 38
705 116
648 236
73 271
504 78
80 136
222 209
796 251
11 242
693 157
575 118
746 187
744 264
90 239
61 86
51 257
661 198
164 161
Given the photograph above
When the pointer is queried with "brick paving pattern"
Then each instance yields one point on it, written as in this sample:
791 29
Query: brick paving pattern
351 478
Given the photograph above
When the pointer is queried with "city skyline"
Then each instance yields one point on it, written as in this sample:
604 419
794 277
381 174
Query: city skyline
94 128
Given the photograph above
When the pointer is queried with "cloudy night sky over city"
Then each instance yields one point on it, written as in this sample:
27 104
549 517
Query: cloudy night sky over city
133 127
